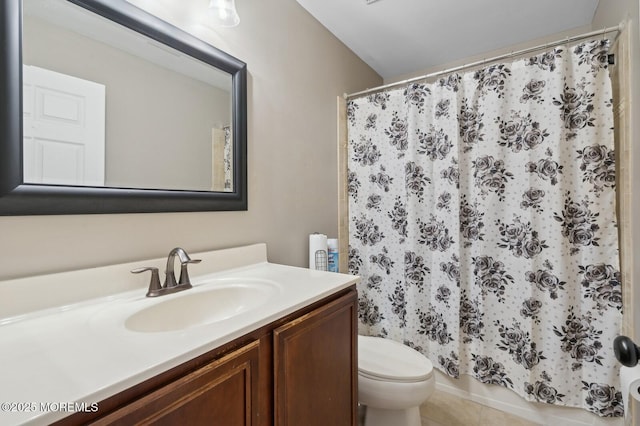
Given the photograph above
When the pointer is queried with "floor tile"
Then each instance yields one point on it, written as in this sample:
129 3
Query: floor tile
428 422
450 410
492 417
444 409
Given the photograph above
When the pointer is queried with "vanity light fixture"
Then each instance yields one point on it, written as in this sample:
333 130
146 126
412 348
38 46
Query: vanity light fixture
224 13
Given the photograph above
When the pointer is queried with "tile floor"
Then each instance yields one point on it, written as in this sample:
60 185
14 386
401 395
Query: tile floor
444 409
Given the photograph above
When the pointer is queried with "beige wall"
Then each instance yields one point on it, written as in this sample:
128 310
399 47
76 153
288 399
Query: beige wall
296 70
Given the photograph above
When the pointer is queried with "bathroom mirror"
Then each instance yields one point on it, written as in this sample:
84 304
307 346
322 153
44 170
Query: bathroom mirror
108 109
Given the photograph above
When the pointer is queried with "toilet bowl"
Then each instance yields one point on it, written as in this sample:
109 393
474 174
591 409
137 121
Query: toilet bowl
393 381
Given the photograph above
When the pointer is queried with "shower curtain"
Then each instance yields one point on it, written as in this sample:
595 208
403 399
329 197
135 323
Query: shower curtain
228 159
482 223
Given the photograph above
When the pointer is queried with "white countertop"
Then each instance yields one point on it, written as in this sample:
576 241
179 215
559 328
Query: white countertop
82 352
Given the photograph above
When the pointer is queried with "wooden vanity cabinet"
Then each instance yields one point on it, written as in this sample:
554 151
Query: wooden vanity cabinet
315 365
298 370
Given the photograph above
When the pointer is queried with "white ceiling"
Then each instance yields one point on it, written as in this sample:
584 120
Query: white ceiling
397 37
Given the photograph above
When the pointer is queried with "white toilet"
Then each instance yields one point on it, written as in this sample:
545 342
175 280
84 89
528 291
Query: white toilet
393 381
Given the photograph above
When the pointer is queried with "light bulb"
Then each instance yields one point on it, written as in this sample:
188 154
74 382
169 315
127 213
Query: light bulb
223 13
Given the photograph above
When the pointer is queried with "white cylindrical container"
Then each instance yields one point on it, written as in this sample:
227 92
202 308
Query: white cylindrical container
318 251
332 255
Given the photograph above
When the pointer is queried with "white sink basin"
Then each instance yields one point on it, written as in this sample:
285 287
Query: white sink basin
197 306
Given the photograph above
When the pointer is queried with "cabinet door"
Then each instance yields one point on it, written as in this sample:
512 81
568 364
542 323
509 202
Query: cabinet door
315 362
224 392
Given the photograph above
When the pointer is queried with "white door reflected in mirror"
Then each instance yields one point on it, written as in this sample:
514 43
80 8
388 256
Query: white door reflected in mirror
63 129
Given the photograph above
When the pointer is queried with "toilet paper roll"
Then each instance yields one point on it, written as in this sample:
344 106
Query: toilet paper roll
630 385
318 252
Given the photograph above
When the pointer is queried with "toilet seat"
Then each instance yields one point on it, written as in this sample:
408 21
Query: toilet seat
387 360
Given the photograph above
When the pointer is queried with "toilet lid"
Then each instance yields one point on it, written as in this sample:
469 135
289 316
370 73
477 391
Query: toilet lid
386 359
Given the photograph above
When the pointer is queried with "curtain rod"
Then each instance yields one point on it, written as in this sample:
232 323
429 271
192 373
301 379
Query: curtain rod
484 61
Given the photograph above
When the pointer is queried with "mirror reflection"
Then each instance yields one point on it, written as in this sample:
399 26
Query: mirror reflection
106 106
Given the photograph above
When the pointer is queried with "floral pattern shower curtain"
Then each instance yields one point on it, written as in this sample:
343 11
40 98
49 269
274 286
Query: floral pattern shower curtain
482 222
228 159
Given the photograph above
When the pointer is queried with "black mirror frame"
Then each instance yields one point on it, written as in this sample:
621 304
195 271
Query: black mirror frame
18 198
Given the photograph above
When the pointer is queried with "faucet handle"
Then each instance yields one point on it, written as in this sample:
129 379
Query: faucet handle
154 284
184 273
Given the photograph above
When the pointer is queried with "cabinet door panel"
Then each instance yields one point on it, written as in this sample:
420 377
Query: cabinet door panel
224 392
315 361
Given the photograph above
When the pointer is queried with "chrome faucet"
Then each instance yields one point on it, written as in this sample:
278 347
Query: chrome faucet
170 285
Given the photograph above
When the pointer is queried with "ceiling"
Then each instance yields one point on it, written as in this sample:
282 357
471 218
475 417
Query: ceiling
396 37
